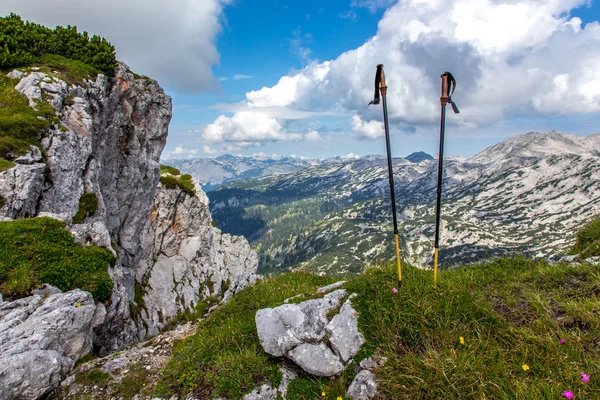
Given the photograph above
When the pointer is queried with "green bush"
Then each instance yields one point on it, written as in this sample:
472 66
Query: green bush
172 182
39 250
88 204
167 169
588 240
23 43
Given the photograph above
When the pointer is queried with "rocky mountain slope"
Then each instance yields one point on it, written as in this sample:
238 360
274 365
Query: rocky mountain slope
520 196
96 168
215 172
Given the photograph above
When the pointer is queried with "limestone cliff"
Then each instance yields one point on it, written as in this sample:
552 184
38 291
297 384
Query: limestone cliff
184 259
106 142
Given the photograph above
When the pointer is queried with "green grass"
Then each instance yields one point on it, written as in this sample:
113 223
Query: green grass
88 204
183 182
588 240
20 126
39 250
93 377
510 312
5 164
224 358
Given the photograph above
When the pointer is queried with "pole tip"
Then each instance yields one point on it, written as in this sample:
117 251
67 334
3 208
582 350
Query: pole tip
400 283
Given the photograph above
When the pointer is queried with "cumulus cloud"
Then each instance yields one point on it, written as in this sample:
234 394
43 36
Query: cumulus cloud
246 127
208 150
509 58
181 152
313 136
172 42
367 129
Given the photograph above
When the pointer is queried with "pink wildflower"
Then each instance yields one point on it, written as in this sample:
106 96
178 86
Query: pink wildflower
394 290
585 378
562 341
568 395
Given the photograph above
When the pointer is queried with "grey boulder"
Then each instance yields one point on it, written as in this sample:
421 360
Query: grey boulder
316 359
40 341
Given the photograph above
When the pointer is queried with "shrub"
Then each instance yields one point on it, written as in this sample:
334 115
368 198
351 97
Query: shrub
88 204
172 182
167 169
39 250
23 43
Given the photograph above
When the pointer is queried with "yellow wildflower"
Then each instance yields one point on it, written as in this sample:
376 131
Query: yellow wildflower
323 394
462 340
77 305
525 367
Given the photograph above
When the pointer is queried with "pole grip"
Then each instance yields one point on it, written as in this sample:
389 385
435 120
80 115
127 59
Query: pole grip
382 85
445 88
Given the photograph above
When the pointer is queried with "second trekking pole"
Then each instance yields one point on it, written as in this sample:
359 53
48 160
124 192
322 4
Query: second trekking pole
380 86
448 86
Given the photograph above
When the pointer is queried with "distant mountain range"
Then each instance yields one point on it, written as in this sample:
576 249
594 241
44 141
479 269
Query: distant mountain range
527 194
214 172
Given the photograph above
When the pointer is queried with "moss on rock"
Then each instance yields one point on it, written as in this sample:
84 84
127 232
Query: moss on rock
88 204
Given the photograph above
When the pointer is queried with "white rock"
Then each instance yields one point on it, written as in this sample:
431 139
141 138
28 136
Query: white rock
329 288
32 156
316 359
15 74
282 328
345 338
22 187
363 387
40 340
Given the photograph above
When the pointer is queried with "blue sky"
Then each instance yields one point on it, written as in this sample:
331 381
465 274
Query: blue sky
305 69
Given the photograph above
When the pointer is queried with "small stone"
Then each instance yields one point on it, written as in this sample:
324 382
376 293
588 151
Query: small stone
363 387
329 288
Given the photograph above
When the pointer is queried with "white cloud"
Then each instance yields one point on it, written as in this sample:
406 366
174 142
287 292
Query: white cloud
367 130
246 127
313 136
237 77
299 45
351 156
372 5
172 42
508 56
181 152
208 150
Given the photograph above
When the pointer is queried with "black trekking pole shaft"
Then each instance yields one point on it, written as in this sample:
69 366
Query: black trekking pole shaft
448 82
438 205
389 159
383 89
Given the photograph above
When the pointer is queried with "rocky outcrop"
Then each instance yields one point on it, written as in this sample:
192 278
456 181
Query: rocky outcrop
306 334
108 140
106 143
41 338
183 259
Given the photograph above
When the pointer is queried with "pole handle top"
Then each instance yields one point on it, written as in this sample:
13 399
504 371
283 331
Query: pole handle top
382 84
448 87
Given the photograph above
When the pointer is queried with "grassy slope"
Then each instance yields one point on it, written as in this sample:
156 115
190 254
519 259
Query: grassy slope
510 312
40 250
588 240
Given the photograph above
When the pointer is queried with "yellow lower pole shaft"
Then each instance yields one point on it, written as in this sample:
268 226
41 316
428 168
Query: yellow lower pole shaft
435 267
398 260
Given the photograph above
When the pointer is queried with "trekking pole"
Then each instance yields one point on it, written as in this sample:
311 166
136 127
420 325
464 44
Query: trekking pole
380 86
448 86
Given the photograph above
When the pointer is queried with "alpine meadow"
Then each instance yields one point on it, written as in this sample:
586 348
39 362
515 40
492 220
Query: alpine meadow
349 200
